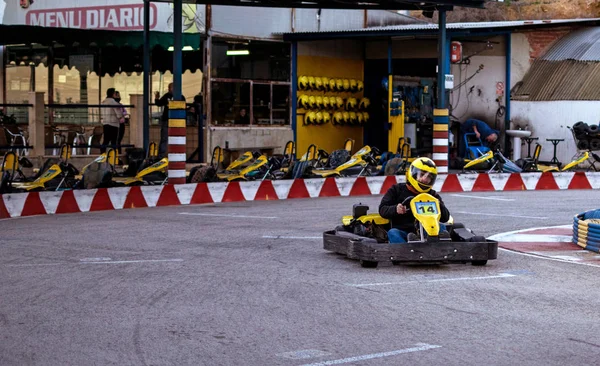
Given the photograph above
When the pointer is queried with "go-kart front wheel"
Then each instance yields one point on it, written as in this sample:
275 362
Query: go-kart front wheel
479 263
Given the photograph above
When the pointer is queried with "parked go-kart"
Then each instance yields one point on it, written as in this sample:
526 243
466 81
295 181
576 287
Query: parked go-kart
459 245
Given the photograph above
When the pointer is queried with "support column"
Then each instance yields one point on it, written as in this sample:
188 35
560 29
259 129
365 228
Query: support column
440 113
507 86
36 123
136 122
146 89
177 48
293 104
440 139
177 142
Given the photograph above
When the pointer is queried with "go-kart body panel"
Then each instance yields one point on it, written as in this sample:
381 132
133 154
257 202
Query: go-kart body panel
443 251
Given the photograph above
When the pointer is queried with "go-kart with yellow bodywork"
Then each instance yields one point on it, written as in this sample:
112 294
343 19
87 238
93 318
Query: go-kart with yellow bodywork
429 245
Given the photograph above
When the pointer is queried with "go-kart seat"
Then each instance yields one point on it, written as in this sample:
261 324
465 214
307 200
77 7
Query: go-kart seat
474 147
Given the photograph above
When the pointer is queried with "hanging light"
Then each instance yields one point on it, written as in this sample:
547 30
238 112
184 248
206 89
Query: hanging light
238 52
185 48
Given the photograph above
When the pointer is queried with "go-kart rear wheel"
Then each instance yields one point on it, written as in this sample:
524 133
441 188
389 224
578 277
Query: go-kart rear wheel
479 263
368 264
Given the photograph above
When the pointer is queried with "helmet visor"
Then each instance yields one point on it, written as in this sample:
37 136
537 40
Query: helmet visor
424 179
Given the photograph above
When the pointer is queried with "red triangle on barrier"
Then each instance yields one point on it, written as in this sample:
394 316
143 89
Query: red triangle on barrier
233 193
33 205
580 181
101 201
168 196
67 203
451 184
298 190
201 195
547 182
3 211
360 187
389 181
329 188
266 192
483 183
135 198
514 183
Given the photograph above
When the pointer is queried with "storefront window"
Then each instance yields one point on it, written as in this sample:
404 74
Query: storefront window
250 83
250 60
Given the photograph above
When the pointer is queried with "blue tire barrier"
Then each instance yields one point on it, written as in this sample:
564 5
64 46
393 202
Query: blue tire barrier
586 233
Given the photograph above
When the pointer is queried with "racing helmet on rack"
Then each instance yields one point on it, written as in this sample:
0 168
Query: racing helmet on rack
421 174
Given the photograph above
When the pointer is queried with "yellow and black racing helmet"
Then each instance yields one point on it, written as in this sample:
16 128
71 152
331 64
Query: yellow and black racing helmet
364 104
353 117
319 101
351 104
303 82
338 118
311 83
346 85
326 117
318 83
303 101
325 100
325 81
422 174
359 86
339 85
332 84
310 118
353 85
312 101
319 117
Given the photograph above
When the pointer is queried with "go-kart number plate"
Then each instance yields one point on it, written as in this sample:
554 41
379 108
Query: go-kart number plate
426 208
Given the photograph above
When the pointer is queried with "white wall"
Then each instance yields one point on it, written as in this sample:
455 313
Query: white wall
340 48
550 120
477 98
520 60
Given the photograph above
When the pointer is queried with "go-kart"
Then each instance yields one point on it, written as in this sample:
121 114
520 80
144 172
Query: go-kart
429 245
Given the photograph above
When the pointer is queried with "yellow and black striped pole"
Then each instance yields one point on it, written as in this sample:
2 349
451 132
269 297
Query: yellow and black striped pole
440 139
176 143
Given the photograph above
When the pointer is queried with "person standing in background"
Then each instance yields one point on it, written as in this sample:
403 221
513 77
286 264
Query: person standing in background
111 119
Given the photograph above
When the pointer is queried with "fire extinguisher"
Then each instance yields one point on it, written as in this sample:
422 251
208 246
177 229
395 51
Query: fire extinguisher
455 52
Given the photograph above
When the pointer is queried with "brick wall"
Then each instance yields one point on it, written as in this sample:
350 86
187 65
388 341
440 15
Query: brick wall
541 41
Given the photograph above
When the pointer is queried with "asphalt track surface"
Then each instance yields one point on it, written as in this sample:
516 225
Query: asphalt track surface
250 284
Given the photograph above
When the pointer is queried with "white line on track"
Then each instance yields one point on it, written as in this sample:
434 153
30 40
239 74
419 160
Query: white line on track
133 261
483 198
419 347
534 238
550 258
222 215
94 262
501 275
489 214
291 237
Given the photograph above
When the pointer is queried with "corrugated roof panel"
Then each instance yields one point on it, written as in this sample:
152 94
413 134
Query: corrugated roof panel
581 45
463 26
589 89
560 80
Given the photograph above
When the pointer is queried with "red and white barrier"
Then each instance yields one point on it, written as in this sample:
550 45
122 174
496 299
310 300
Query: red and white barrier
42 203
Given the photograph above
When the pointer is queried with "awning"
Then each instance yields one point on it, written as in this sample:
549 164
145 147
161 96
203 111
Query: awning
26 34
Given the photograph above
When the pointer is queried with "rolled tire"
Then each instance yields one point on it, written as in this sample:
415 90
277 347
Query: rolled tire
595 144
581 136
479 263
368 264
591 129
477 238
583 145
580 126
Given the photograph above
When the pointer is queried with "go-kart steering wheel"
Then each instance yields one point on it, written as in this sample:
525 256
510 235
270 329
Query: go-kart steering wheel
406 202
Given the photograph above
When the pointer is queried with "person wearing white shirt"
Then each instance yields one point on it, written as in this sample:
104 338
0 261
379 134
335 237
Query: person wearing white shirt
111 119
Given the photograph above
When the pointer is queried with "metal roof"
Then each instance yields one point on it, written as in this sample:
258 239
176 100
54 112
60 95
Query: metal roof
347 4
559 80
433 27
581 45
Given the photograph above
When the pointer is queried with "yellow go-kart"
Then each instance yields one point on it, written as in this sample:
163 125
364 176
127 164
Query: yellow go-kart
363 237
